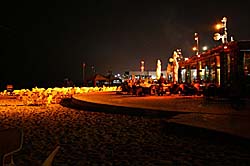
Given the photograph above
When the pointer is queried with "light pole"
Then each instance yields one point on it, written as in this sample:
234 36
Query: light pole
218 36
224 21
142 69
142 66
196 38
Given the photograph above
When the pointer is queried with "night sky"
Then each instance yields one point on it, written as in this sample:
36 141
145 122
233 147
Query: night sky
44 43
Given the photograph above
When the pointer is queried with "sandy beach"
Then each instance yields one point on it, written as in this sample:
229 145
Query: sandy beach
97 138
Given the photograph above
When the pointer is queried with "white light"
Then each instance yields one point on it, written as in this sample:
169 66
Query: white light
217 36
204 48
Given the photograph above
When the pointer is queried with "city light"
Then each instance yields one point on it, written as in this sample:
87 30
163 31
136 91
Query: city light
204 48
218 26
194 48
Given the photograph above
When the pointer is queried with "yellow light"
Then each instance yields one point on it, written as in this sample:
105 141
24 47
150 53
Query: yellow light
142 69
194 48
171 60
218 26
142 66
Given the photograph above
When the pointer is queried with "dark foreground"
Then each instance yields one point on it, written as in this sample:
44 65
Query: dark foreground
97 138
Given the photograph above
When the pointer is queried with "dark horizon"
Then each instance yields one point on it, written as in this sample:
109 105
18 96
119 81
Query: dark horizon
44 43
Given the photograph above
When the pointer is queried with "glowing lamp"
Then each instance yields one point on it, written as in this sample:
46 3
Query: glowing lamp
204 48
194 48
218 26
217 36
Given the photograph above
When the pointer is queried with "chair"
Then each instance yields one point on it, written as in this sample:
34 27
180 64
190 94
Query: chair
50 158
11 141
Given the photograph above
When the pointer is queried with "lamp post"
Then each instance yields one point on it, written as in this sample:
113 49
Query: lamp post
142 66
196 48
196 38
224 21
142 69
218 36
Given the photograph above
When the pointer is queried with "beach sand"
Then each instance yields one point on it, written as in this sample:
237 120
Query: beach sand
97 138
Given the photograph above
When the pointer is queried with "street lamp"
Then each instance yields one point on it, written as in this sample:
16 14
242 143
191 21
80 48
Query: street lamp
196 48
218 36
196 38
142 66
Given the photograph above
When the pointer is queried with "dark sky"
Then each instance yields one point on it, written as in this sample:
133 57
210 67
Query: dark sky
46 42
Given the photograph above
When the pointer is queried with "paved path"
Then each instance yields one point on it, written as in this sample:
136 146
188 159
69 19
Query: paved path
190 110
